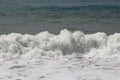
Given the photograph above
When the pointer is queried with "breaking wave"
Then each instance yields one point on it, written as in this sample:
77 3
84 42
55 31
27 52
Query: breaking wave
45 44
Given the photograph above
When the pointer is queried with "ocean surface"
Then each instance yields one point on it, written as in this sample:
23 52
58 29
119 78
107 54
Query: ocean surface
34 16
59 39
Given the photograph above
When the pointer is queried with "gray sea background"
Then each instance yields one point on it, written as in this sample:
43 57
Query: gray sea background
34 16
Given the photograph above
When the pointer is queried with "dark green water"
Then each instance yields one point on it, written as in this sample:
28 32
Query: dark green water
34 16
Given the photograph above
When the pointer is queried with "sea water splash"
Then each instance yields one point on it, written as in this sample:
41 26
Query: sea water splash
45 44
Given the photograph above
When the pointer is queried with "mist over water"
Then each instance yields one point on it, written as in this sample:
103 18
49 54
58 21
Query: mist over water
34 16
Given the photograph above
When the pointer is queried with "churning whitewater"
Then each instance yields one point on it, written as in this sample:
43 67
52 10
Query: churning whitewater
45 44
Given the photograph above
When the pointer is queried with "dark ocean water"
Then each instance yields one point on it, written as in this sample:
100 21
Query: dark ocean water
34 16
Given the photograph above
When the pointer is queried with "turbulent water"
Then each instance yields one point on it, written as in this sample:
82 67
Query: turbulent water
59 39
45 44
34 16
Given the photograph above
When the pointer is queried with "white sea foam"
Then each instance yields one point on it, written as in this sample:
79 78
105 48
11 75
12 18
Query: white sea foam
45 44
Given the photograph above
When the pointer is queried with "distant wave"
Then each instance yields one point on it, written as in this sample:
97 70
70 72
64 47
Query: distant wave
61 8
76 8
45 44
100 11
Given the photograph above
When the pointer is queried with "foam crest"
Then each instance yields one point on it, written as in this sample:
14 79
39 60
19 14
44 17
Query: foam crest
45 44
